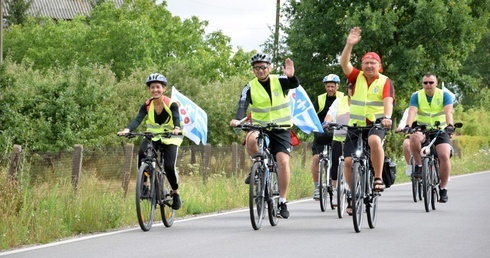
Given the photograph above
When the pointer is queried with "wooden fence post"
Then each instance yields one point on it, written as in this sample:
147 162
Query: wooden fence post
234 157
456 148
15 161
77 165
304 148
206 162
128 161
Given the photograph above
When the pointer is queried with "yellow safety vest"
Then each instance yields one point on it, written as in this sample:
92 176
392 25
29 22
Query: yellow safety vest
428 114
167 126
263 110
342 118
322 98
367 102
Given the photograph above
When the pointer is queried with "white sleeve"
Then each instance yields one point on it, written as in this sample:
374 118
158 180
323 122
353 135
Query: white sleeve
332 111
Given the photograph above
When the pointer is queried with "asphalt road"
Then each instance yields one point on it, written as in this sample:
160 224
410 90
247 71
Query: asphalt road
458 228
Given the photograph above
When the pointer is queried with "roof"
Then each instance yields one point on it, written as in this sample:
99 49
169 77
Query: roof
61 9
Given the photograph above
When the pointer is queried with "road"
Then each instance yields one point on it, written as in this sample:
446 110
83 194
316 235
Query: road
457 228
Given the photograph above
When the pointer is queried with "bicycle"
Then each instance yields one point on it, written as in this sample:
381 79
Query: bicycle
264 185
430 179
362 192
324 167
151 187
416 184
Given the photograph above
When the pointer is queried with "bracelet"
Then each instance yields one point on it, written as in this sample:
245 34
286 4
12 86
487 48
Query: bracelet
177 127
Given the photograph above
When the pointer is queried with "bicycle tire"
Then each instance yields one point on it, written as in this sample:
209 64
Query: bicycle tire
357 196
323 184
426 184
256 195
434 184
145 200
341 190
371 200
166 211
415 189
273 197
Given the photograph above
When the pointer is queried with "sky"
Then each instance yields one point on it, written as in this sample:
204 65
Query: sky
246 22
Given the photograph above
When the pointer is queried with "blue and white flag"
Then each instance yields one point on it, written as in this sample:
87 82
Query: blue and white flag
303 112
450 92
195 120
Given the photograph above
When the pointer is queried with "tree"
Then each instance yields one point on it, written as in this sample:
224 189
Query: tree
18 10
412 38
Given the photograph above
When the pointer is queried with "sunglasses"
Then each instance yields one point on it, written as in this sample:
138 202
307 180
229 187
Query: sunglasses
263 67
431 82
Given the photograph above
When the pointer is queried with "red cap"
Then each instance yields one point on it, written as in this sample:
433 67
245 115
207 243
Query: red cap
371 55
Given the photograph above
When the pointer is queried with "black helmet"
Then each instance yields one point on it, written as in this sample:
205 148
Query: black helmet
260 57
156 77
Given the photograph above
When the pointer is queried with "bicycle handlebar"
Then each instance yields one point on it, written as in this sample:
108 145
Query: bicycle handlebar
148 135
259 127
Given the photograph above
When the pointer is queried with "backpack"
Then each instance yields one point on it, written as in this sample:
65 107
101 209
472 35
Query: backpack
389 172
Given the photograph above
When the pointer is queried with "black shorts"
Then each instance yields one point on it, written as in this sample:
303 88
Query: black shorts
350 144
280 141
442 138
320 140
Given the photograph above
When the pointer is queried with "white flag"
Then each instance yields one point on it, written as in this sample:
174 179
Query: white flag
195 120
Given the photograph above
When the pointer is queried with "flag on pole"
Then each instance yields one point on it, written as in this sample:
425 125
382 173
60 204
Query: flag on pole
450 92
195 120
303 113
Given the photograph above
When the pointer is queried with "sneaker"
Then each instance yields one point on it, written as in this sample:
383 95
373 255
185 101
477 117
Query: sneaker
316 194
247 180
408 170
283 210
443 195
176 203
417 172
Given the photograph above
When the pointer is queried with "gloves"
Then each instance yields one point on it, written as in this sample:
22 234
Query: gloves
449 129
406 129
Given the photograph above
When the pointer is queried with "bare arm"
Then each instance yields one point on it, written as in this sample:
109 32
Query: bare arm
412 112
353 38
448 111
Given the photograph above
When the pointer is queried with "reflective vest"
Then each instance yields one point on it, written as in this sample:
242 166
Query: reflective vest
265 111
428 114
342 118
367 102
167 126
323 98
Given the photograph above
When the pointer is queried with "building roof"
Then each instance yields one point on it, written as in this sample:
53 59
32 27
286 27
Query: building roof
61 9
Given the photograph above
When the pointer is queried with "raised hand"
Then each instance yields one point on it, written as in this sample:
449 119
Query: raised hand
354 36
288 68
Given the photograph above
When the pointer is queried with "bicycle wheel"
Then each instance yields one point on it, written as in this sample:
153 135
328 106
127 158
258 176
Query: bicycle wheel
426 184
341 190
371 201
168 214
415 189
357 196
323 184
256 195
145 197
273 197
434 185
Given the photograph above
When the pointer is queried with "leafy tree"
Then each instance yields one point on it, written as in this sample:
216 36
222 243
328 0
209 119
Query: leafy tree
412 38
18 10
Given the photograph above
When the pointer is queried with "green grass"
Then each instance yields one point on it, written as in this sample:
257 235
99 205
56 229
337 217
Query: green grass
42 213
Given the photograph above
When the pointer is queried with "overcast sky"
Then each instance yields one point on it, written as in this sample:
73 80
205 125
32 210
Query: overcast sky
246 22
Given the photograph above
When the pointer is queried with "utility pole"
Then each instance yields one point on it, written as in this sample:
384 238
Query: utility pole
276 33
1 32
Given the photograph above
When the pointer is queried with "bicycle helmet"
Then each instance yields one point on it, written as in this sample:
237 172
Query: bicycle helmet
260 57
331 78
156 77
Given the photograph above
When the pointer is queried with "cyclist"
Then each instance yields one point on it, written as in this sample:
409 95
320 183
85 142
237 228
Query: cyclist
406 143
339 112
322 105
162 115
268 98
430 105
372 98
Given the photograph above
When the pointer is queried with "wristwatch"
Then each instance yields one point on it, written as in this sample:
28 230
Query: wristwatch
177 127
387 117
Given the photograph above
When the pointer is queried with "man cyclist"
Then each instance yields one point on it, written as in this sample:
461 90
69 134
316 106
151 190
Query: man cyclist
268 98
162 115
322 105
372 98
429 105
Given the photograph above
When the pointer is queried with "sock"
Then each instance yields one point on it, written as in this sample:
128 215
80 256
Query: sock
282 200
